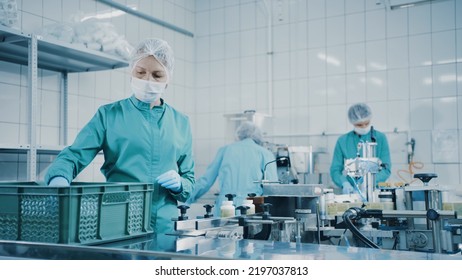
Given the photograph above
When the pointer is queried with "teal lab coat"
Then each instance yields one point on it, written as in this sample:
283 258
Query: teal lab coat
139 144
237 166
346 148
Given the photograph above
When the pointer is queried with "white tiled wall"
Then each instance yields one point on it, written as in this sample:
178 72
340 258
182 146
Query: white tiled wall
326 55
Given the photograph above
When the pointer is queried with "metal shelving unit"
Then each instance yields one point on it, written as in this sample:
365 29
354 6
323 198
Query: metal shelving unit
36 52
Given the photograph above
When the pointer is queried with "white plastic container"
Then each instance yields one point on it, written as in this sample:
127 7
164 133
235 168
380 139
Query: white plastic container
249 203
227 209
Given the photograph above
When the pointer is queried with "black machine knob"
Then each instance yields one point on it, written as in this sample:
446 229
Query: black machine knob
433 214
425 177
282 161
243 209
251 195
266 207
183 209
230 196
208 211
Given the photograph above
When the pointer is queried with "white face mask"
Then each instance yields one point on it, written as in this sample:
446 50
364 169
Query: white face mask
362 131
147 91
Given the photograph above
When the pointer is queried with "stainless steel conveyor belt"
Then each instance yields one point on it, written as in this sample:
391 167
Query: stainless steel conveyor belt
167 247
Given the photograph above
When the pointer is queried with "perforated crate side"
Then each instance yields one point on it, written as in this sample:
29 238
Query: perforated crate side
9 226
39 218
136 212
89 215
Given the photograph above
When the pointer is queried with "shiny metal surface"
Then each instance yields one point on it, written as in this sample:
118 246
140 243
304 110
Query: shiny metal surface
168 247
295 190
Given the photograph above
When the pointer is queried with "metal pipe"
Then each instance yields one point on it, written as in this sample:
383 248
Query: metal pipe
64 109
435 202
436 233
408 4
310 160
323 133
416 214
136 13
370 187
269 55
368 152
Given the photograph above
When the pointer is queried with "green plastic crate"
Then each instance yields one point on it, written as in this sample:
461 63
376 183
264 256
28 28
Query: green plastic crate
84 213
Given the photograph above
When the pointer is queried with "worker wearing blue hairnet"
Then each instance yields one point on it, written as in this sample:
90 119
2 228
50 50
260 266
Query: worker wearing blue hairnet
359 116
142 137
238 166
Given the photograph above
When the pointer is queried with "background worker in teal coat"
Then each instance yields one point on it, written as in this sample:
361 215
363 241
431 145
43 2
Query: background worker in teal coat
359 116
143 138
237 166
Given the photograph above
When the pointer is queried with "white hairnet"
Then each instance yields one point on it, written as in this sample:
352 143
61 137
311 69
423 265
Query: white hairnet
359 112
249 130
158 48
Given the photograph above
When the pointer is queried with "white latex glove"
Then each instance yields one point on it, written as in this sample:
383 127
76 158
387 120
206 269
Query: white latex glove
58 181
170 180
347 188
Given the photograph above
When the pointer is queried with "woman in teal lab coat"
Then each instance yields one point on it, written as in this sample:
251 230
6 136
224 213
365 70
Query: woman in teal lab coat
359 116
143 138
238 166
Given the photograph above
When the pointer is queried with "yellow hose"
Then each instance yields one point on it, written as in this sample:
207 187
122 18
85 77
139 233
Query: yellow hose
412 165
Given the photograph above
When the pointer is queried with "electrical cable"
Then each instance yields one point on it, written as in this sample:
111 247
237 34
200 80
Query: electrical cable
410 171
354 213
359 235
411 164
395 244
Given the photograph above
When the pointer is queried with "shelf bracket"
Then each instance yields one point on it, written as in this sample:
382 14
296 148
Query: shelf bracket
11 39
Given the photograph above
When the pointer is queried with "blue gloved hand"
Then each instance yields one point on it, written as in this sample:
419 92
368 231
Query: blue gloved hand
170 180
347 188
58 181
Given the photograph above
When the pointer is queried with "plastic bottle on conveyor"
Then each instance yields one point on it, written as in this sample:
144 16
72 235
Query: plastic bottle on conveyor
227 208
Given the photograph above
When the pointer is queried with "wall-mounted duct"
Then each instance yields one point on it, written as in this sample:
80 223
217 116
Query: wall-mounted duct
147 17
399 4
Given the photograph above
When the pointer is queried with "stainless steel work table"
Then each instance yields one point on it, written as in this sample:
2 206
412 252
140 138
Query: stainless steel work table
166 247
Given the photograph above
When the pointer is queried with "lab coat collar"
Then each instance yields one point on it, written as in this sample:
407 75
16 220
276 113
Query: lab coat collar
249 141
146 106
365 136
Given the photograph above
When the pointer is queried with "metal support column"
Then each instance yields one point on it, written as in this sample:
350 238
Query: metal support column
435 203
33 96
63 110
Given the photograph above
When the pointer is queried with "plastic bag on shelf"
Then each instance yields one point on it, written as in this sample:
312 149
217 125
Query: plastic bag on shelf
91 33
9 13
58 31
100 35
